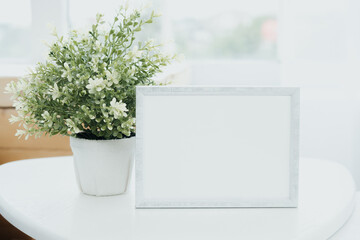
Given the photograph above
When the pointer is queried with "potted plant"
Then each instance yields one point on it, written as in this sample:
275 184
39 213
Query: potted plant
86 90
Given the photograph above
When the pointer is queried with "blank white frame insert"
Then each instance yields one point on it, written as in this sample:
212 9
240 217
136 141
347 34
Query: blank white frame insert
217 147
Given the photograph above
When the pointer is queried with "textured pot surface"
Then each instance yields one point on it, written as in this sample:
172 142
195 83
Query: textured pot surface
103 167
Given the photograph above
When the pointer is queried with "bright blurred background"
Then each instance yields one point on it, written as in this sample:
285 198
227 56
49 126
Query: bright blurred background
314 44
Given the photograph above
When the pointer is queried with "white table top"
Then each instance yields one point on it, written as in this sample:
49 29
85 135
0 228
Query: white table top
351 230
41 198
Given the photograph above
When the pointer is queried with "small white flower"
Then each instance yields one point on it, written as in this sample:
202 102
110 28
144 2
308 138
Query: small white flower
14 119
118 109
113 76
55 92
20 132
23 84
19 104
11 88
67 72
46 115
47 118
96 85
129 124
94 63
72 126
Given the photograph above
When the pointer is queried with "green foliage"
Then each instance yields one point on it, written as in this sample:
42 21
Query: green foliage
86 88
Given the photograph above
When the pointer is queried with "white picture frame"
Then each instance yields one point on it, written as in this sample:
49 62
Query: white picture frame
217 147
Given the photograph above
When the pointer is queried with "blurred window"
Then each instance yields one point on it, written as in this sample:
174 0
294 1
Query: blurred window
202 29
224 42
226 29
15 30
25 27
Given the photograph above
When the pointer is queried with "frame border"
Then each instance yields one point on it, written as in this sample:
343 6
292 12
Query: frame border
293 92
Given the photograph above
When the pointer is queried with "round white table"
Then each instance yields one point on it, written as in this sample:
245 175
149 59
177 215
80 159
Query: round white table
41 198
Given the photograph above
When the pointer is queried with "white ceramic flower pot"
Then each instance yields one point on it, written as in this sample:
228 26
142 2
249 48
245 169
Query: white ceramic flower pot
103 167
